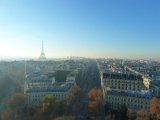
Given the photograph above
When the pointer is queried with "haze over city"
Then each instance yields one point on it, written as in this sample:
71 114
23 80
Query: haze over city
79 60
121 29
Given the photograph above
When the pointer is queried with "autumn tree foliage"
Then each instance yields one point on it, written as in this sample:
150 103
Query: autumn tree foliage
131 115
143 115
75 94
155 107
95 95
48 110
15 107
95 100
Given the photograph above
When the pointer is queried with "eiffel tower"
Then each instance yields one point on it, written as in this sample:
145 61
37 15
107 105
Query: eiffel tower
42 55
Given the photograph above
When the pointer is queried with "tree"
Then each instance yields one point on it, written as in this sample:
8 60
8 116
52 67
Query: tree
107 107
155 107
131 115
142 115
65 118
60 108
75 94
95 95
8 87
110 116
15 107
74 99
48 103
123 112
49 99
95 101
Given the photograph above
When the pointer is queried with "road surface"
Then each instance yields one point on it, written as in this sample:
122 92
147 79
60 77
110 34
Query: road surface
87 79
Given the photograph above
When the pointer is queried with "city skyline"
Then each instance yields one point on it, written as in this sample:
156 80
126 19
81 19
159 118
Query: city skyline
119 29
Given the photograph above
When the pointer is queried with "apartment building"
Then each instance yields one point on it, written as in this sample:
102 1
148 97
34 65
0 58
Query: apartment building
155 87
39 84
134 100
123 81
126 89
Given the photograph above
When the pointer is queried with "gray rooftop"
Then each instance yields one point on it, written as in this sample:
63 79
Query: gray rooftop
155 82
123 76
54 88
130 93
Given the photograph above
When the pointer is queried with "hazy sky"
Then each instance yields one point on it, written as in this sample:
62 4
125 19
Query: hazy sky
93 28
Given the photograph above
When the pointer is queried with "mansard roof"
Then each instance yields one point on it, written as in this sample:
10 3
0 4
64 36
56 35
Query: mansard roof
123 76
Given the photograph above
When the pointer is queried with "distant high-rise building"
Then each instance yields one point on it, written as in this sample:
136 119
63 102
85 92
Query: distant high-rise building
42 55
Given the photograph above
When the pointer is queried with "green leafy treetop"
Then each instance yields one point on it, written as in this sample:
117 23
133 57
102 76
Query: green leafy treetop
48 101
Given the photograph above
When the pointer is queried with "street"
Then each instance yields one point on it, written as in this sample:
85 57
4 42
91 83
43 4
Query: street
87 80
